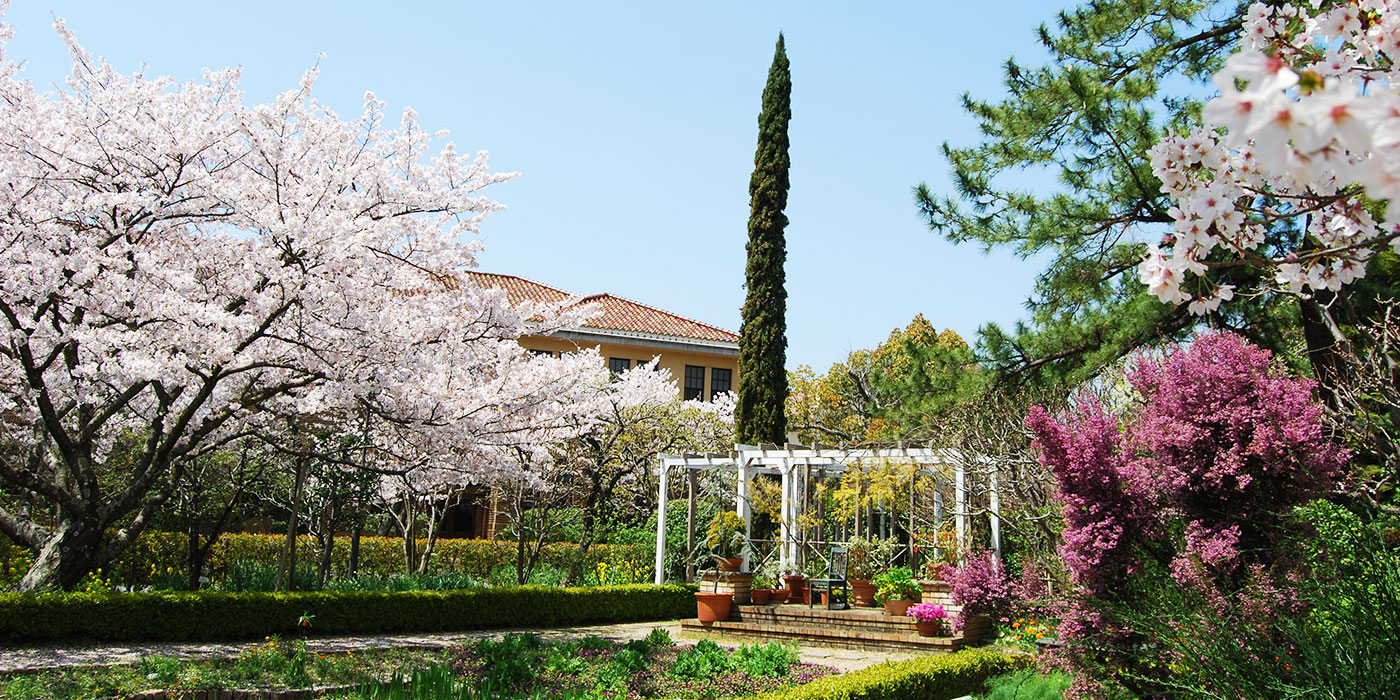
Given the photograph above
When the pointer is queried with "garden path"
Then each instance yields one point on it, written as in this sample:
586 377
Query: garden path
57 656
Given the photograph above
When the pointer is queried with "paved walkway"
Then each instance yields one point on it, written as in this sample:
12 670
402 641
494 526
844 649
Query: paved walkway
46 657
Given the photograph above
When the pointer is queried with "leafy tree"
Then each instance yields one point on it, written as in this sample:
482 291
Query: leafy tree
887 393
763 385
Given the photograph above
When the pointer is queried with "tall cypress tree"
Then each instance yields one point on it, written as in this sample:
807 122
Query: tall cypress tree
763 385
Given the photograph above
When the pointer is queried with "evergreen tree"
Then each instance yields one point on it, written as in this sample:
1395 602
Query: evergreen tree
763 385
1121 73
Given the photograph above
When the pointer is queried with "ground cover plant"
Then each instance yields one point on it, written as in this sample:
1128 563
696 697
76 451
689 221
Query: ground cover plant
271 664
653 667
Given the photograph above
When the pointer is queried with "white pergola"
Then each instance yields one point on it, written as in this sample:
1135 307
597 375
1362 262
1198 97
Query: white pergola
794 465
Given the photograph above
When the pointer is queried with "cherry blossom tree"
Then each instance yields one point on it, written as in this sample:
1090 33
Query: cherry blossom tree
1306 131
175 263
613 461
541 403
612 437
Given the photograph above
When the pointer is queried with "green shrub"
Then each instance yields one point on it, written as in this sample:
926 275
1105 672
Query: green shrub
510 661
171 616
703 660
631 659
925 678
1027 684
659 637
771 659
641 646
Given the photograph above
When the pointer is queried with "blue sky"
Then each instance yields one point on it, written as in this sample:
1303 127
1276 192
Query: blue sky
633 127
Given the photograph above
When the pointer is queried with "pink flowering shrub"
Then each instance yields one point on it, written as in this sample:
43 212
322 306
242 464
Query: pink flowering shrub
981 587
1109 504
1233 445
1194 488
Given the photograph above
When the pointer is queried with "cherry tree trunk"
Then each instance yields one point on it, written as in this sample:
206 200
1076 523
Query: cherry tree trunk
74 549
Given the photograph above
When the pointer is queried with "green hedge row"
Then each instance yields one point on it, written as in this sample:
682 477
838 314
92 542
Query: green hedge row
924 678
234 616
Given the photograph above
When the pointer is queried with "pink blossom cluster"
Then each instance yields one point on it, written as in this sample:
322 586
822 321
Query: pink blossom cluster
1306 128
928 612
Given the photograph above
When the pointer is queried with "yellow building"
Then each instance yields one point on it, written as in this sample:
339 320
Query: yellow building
703 359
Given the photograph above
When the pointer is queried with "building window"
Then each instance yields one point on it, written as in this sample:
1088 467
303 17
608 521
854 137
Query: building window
719 381
618 365
694 382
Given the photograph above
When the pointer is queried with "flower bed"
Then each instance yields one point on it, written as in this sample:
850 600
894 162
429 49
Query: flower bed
646 668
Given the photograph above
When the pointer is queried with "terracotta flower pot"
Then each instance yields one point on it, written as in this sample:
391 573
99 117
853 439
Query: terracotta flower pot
712 607
729 563
759 595
897 606
929 629
778 595
794 586
863 591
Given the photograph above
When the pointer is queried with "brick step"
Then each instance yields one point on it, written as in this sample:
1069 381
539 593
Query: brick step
800 615
841 638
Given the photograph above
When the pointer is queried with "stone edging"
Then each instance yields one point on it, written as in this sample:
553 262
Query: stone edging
223 694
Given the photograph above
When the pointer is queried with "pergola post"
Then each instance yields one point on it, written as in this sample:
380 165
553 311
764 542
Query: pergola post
741 506
995 512
960 502
691 487
937 517
661 525
784 526
794 503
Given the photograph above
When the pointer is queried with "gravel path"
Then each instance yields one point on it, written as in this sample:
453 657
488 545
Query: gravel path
13 659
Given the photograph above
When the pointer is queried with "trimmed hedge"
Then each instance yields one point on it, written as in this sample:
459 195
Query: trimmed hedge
213 615
924 678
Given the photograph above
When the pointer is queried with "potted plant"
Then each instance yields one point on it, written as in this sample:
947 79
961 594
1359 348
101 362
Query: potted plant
713 606
930 619
795 583
761 589
866 558
896 589
725 539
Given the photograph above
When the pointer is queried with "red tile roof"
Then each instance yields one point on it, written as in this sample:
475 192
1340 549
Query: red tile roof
615 312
